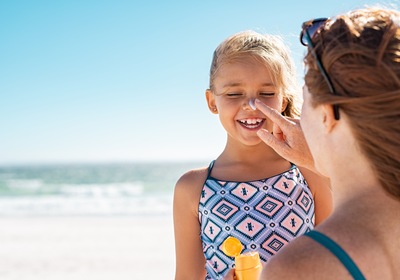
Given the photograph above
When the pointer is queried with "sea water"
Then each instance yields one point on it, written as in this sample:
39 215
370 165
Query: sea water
90 189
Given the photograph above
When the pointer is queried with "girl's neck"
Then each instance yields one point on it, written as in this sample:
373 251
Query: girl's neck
257 154
248 164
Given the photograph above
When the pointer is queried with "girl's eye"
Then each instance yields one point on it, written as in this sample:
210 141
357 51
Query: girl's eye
267 93
234 94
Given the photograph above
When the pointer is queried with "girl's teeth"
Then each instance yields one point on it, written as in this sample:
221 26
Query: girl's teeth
251 121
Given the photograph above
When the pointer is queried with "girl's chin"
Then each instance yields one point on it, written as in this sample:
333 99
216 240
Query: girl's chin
254 142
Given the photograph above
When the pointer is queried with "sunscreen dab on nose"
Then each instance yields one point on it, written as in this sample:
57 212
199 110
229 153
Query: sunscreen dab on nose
252 104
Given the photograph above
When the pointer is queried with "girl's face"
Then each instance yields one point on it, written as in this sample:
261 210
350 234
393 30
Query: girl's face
235 84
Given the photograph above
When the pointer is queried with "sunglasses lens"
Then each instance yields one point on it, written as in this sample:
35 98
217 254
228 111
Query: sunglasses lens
310 30
304 38
314 27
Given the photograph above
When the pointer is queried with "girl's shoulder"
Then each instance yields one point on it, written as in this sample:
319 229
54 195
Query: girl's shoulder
316 183
190 184
320 188
193 177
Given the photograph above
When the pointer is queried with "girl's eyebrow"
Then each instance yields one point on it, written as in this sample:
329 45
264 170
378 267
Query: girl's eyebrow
235 84
268 85
232 84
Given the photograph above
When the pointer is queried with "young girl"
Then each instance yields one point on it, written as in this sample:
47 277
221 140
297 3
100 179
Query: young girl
249 191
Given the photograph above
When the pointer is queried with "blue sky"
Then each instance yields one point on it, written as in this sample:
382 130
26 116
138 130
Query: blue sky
96 81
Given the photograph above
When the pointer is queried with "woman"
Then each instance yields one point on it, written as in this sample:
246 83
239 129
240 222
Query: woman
351 123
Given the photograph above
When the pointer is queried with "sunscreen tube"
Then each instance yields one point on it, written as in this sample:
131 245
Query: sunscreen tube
247 265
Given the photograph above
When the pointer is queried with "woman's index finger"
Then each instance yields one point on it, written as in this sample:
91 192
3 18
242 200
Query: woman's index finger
272 114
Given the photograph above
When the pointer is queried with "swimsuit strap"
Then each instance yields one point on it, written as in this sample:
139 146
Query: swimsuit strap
335 249
210 167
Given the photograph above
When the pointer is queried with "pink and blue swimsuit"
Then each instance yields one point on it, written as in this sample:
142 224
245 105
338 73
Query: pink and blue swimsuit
264 215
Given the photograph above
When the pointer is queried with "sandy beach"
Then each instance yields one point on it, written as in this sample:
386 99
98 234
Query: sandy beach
90 248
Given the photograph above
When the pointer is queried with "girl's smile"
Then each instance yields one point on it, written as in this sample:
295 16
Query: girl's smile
252 124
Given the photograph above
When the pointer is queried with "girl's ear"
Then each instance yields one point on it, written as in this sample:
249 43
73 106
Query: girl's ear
284 104
211 102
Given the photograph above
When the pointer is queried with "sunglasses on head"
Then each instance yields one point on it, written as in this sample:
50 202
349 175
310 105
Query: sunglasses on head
309 29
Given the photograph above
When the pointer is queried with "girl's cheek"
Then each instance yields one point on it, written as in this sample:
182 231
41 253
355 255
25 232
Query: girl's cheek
275 104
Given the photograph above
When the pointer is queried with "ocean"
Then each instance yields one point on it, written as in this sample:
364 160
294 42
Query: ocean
90 189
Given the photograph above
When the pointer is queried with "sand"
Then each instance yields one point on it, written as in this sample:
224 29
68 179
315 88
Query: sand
90 248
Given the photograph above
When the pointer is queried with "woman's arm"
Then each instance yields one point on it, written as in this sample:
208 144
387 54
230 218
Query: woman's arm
190 261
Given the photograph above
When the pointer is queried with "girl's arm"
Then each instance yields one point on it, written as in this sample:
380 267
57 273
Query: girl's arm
322 193
190 261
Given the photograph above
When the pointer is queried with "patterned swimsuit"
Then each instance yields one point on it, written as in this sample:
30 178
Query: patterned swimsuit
264 215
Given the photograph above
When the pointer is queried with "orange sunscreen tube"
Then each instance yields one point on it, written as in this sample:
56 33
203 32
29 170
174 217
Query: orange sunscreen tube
247 265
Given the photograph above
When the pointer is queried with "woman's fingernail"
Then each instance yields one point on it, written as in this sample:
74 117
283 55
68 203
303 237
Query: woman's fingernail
262 132
252 104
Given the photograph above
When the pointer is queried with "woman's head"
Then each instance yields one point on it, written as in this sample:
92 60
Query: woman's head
271 51
360 52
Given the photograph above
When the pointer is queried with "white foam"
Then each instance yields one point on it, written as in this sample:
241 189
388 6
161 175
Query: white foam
24 184
66 206
103 190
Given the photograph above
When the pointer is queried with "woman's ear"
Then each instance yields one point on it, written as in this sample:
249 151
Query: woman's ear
211 101
328 117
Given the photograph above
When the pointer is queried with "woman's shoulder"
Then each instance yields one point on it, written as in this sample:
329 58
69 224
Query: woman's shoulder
302 259
307 258
289 262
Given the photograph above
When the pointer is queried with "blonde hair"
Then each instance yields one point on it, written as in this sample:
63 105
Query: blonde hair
360 51
271 51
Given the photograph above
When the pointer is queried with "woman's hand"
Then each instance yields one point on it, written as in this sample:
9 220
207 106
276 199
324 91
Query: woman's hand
286 137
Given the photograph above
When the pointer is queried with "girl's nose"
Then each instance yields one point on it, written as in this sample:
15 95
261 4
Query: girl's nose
249 104
252 104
